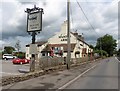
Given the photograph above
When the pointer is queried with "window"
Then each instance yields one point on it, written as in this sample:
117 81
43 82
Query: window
43 54
52 48
81 44
7 54
27 55
62 48
64 39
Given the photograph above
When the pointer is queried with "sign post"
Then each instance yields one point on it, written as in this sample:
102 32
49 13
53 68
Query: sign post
34 26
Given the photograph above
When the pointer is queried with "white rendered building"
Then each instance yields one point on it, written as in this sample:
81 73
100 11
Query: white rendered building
57 45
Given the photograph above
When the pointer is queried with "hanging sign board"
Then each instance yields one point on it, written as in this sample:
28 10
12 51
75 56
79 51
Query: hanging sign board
34 21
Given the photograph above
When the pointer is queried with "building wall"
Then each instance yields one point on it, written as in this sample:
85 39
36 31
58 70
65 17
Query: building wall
61 38
39 49
27 53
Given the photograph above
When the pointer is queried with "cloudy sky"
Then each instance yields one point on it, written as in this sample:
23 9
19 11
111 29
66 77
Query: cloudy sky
102 14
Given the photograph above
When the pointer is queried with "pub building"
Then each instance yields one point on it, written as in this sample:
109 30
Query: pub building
57 45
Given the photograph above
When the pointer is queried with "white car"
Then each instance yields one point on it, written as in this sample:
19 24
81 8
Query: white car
8 56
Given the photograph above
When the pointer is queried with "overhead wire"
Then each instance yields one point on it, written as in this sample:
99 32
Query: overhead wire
72 20
89 23
86 17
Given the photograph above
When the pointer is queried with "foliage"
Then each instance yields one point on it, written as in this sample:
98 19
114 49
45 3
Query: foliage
9 49
118 53
101 52
107 43
19 54
91 46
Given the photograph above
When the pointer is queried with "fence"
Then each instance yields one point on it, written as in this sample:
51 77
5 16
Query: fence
47 62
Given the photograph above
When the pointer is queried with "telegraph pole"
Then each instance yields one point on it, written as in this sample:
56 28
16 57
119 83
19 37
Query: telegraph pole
68 35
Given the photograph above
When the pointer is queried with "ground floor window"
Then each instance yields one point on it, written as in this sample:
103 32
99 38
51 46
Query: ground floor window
43 54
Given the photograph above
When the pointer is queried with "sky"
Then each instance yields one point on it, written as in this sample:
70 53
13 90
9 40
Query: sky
102 15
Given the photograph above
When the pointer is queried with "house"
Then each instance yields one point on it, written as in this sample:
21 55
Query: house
39 45
57 45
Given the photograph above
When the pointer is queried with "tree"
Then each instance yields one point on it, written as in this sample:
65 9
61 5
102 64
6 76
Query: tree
17 45
91 46
107 43
118 53
104 53
9 49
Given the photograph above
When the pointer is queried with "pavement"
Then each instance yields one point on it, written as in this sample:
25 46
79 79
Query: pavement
98 75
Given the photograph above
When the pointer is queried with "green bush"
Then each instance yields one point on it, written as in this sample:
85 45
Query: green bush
101 52
20 55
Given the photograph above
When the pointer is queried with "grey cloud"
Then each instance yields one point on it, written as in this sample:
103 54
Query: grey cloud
53 22
29 1
110 14
110 17
12 41
15 31
79 17
21 29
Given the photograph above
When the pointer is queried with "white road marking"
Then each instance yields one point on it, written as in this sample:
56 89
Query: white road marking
73 80
117 59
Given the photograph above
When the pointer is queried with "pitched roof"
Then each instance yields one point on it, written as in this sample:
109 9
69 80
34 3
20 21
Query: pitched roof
49 46
77 36
38 43
41 43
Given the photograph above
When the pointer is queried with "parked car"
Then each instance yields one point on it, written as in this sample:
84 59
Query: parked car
20 61
8 56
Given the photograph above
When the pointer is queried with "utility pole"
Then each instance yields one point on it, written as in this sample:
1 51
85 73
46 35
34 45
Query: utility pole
68 35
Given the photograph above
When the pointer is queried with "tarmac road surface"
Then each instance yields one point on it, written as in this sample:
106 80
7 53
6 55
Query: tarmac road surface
104 76
101 75
8 68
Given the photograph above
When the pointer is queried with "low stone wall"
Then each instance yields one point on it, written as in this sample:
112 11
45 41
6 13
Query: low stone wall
12 79
18 78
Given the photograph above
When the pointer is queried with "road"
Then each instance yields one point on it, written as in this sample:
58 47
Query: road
104 76
8 68
101 75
